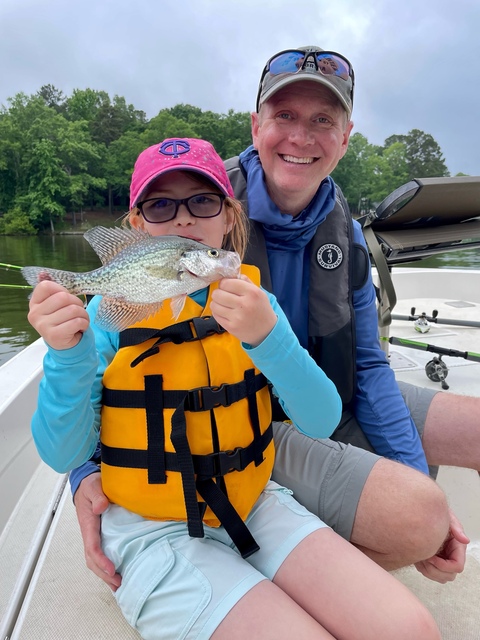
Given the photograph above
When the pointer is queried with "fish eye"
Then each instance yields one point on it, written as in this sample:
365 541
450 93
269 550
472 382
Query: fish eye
213 253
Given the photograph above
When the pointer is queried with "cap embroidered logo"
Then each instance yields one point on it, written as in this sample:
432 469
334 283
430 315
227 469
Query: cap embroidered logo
174 148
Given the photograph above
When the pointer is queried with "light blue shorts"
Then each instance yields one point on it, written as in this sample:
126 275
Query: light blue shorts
174 586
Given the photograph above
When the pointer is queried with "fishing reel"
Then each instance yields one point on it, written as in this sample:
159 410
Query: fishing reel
437 371
421 323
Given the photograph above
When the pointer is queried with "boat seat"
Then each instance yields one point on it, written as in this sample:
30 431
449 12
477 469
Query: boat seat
67 601
427 216
422 218
22 539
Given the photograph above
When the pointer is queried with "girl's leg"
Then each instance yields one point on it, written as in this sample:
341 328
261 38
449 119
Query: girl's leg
268 612
349 595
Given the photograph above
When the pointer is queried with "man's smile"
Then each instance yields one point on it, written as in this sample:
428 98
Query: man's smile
295 160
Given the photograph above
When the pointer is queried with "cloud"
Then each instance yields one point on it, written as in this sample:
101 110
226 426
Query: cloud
416 64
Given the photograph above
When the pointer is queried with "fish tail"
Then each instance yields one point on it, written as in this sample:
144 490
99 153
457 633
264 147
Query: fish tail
34 275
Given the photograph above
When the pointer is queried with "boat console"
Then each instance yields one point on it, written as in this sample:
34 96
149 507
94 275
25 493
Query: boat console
423 217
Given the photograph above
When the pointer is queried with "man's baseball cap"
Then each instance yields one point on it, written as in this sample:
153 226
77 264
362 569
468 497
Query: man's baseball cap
174 154
328 68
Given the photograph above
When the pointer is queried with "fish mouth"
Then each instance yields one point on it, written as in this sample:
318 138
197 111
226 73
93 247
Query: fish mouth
190 273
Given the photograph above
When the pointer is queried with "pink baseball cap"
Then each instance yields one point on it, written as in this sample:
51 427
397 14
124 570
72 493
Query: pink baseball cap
173 154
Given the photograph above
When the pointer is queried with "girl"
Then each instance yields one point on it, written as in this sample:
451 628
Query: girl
207 545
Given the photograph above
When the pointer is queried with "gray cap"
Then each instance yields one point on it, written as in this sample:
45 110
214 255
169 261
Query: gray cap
337 76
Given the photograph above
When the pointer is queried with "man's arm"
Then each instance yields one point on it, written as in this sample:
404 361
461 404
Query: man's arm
380 408
90 503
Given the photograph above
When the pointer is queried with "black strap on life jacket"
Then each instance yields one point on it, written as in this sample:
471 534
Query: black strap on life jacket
197 471
196 328
155 430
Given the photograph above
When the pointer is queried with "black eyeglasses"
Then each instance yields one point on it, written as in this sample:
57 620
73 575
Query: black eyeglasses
201 205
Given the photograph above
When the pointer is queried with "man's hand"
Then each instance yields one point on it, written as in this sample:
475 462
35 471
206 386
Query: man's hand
90 503
450 559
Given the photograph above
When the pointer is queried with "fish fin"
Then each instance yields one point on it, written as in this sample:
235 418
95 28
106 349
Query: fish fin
34 275
31 274
107 242
115 314
177 303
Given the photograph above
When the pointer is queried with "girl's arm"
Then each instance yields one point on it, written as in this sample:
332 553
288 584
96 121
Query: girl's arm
66 423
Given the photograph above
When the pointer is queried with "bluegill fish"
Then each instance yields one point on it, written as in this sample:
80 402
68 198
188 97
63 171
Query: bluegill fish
139 272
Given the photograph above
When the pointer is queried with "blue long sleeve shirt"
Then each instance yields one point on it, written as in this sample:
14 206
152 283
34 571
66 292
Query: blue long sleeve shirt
379 406
66 424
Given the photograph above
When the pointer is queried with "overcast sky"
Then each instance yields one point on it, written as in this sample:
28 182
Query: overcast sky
417 62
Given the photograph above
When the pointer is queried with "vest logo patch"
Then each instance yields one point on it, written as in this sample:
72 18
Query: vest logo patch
329 256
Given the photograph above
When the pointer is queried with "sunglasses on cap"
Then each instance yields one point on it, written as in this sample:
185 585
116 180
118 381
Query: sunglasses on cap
327 63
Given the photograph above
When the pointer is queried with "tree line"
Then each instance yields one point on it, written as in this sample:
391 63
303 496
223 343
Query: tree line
62 154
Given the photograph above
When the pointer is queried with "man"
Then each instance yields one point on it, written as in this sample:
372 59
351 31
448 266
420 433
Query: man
313 257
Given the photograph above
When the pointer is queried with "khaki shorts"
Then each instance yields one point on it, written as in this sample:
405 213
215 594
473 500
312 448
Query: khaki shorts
328 476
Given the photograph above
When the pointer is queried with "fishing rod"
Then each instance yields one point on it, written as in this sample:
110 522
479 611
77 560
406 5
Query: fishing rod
424 346
434 318
6 266
436 369
17 286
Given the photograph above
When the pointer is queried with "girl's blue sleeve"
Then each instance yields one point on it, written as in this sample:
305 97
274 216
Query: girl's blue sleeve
307 396
65 426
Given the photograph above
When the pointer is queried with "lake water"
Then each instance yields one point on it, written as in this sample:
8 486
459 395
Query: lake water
72 252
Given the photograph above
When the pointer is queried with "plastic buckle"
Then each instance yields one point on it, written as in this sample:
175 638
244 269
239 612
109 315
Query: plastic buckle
205 398
227 461
206 326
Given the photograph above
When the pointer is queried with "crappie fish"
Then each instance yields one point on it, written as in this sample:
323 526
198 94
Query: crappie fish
139 272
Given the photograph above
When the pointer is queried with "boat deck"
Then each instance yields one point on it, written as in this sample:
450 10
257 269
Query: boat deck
66 600
46 591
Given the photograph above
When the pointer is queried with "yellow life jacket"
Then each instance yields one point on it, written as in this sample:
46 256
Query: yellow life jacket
186 423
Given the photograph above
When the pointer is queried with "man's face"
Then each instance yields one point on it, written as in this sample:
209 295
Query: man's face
300 134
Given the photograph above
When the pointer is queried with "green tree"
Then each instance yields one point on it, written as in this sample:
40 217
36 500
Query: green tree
10 154
48 164
16 223
47 183
352 173
60 154
107 122
83 104
107 119
52 97
388 170
165 125
423 154
229 133
118 167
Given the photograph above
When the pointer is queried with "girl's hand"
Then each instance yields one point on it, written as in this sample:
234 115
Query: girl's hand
243 309
58 316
